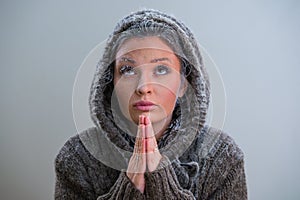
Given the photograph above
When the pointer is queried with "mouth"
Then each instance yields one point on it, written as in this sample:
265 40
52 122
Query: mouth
144 106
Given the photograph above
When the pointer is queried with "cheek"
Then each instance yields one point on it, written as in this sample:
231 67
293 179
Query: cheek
171 86
123 92
169 103
168 95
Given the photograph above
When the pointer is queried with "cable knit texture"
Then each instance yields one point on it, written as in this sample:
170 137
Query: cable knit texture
219 175
198 161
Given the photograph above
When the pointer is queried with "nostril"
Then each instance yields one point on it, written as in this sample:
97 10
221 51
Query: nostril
144 89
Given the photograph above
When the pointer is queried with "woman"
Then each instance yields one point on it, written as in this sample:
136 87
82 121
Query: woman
149 100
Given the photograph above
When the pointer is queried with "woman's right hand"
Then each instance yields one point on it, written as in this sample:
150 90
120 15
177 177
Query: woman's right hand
137 163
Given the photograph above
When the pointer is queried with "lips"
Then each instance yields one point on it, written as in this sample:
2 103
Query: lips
144 105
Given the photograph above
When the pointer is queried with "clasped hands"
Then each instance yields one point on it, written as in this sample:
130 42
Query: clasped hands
146 155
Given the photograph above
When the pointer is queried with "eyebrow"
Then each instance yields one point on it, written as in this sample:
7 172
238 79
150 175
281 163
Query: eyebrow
126 59
160 59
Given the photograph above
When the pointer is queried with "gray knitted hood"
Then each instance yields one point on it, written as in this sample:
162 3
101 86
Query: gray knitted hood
190 112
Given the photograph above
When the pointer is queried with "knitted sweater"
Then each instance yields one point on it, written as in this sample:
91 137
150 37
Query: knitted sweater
218 175
197 162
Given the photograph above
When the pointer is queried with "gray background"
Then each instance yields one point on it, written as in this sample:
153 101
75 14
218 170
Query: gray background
254 43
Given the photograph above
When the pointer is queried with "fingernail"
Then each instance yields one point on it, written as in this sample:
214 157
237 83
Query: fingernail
147 120
141 119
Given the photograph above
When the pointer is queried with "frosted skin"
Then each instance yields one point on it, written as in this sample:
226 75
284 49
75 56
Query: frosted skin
152 74
144 81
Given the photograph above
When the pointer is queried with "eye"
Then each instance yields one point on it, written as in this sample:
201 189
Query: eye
127 70
162 70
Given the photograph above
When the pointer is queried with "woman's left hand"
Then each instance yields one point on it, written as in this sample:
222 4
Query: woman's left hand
153 155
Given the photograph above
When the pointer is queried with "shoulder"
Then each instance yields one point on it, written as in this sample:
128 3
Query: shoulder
74 145
216 144
89 149
225 144
73 153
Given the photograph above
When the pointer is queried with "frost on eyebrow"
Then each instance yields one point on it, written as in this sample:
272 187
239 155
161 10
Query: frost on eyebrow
125 59
160 59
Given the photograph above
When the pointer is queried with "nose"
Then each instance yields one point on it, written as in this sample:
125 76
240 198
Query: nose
145 84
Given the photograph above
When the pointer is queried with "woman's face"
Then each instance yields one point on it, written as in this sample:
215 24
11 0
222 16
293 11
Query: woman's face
147 79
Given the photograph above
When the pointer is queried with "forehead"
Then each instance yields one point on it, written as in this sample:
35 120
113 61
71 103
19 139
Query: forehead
148 45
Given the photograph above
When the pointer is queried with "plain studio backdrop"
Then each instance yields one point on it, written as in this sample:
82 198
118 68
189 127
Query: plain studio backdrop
255 45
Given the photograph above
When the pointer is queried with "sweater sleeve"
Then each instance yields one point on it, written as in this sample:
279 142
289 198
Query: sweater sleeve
122 189
233 186
223 174
163 183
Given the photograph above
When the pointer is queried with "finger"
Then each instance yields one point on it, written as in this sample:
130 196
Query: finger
137 163
147 120
151 143
139 146
140 136
153 155
141 119
149 129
